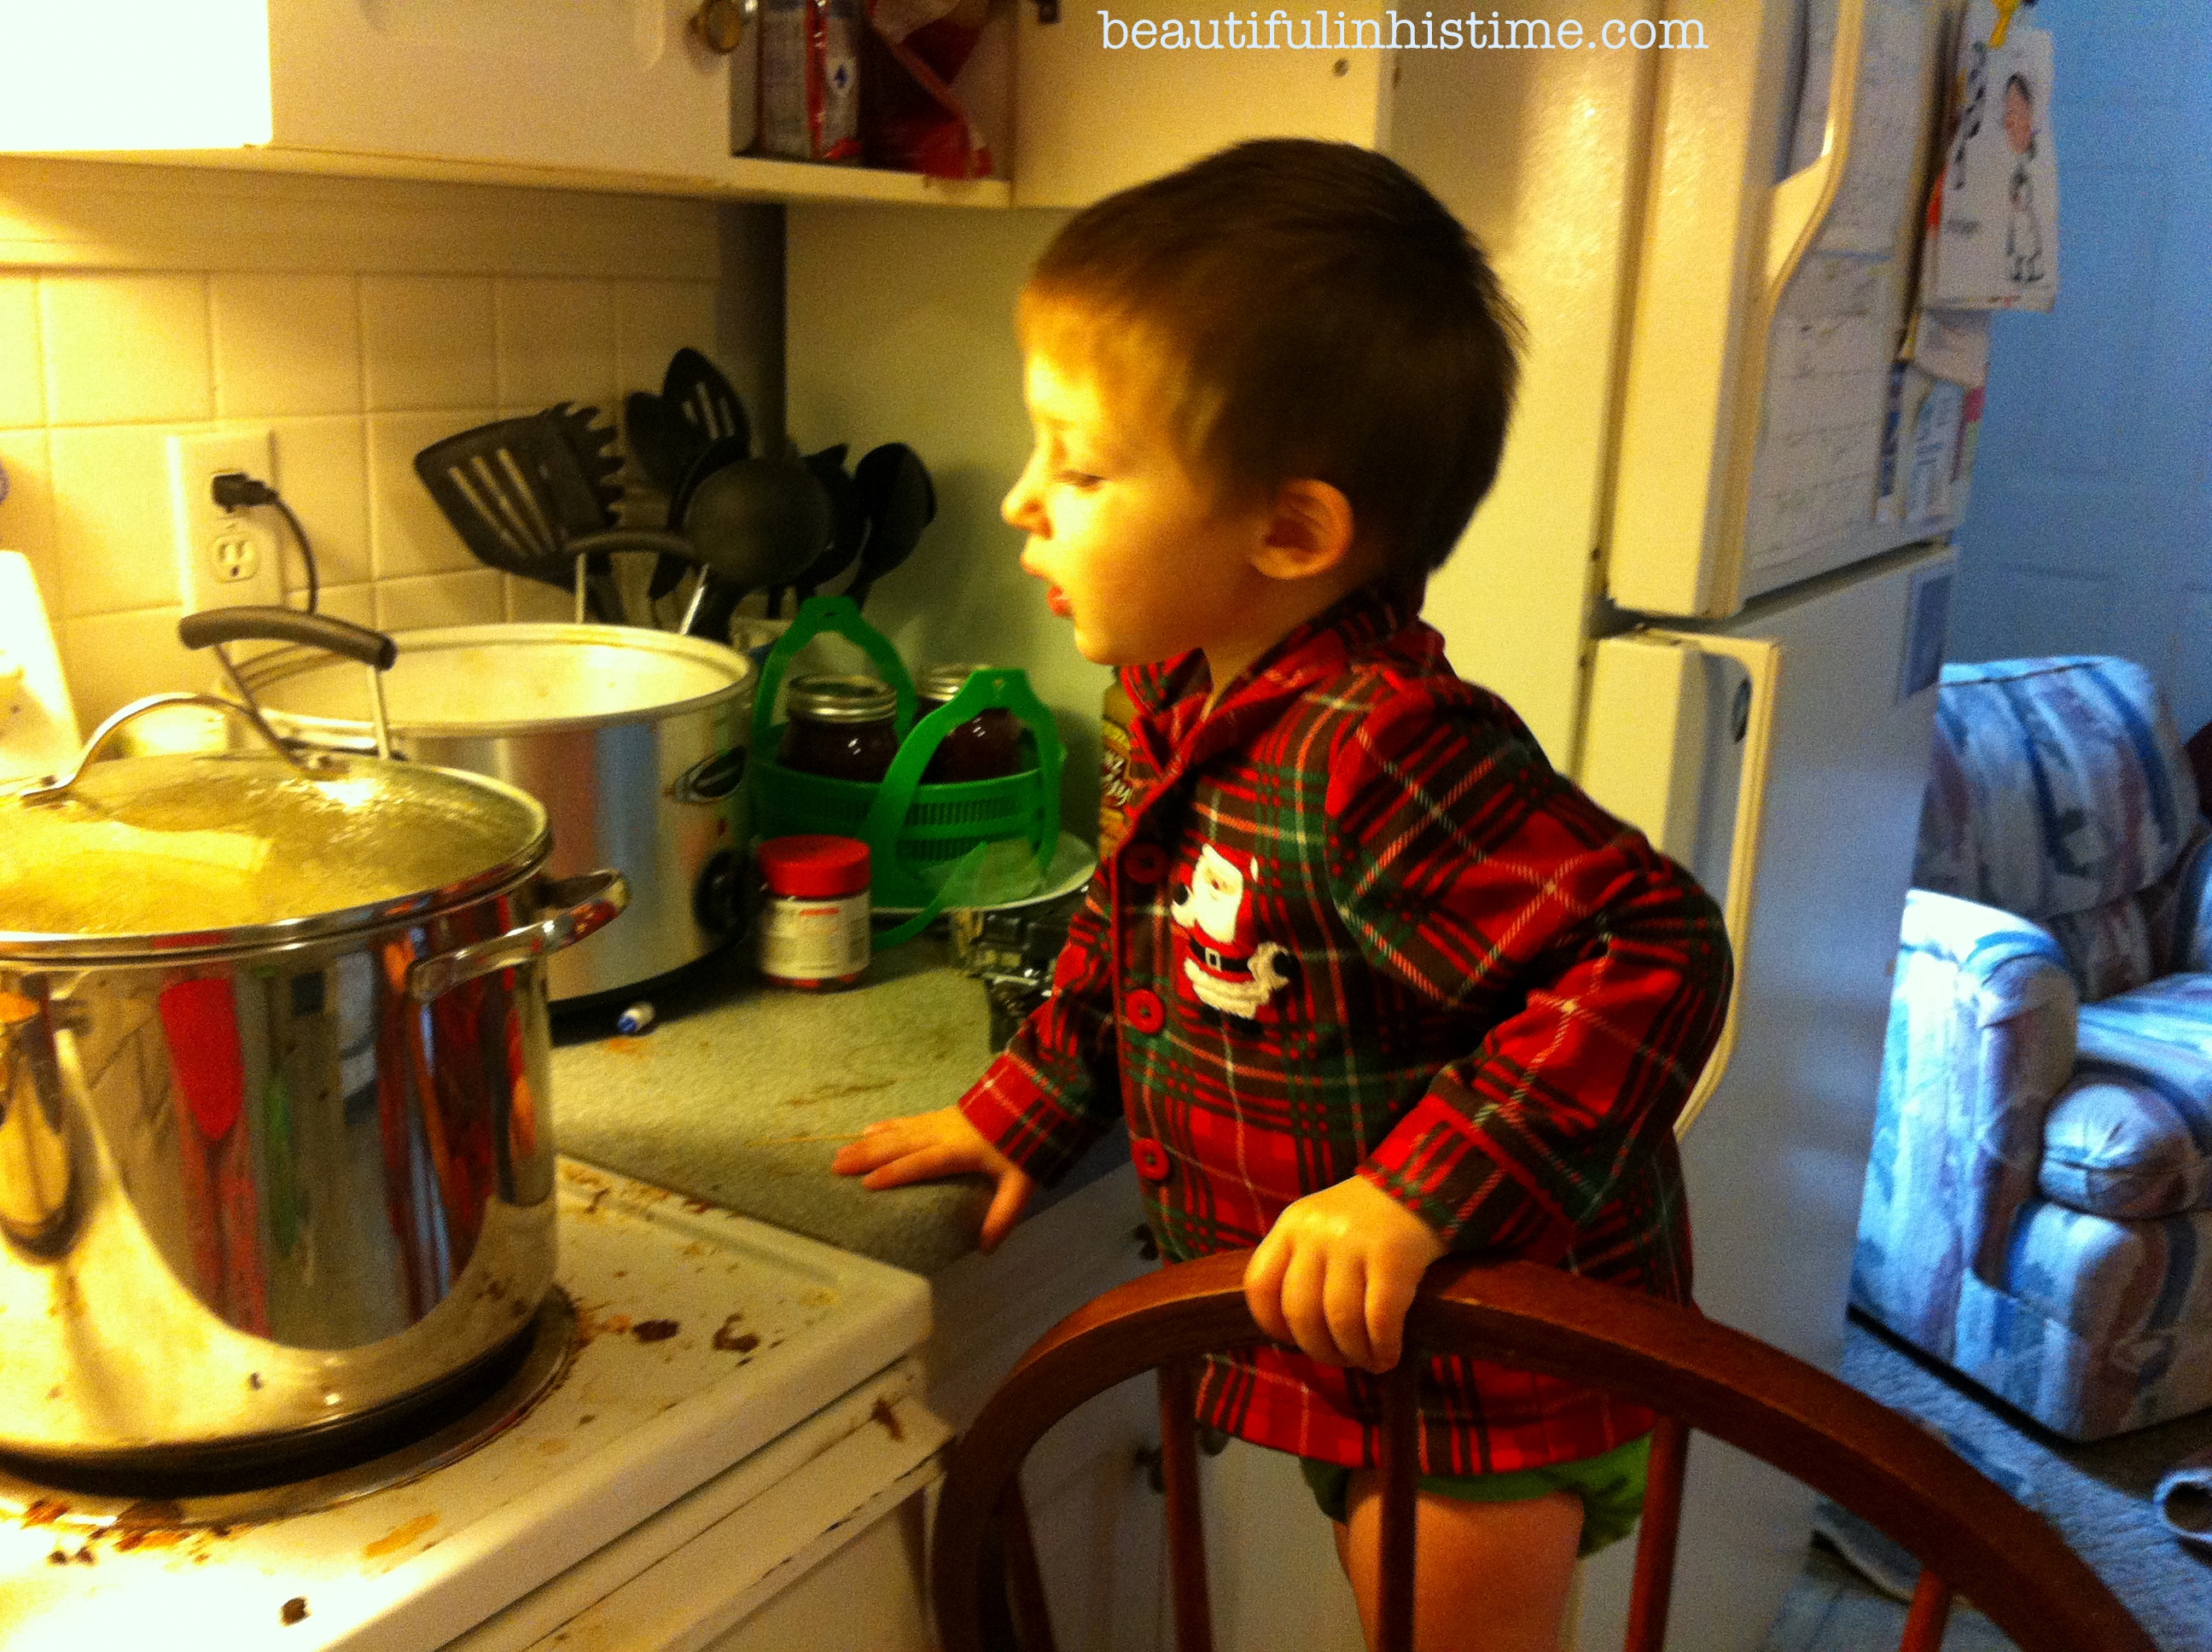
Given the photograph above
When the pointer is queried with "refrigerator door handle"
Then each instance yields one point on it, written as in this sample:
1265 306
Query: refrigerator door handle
1642 755
1720 247
1802 200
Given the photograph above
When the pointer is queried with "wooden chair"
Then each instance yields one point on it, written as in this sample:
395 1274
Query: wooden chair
1969 1534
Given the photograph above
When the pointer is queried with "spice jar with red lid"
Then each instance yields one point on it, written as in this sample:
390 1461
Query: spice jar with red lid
812 932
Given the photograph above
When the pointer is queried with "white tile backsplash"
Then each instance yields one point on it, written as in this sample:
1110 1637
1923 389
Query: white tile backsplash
407 534
352 370
533 603
557 342
27 513
429 341
472 598
356 602
653 319
322 470
22 379
123 348
113 551
113 659
286 345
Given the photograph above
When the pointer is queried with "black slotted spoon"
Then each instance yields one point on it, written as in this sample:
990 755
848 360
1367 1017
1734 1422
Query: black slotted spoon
704 398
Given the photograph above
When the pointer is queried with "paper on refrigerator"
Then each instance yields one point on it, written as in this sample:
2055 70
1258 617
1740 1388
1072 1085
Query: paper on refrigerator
1992 229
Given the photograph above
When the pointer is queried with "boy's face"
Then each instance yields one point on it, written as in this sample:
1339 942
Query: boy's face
1136 551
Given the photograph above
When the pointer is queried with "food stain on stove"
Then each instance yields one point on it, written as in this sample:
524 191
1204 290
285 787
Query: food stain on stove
732 1340
884 1415
150 1514
637 1049
45 1511
150 1537
697 1207
398 1537
292 1611
655 1330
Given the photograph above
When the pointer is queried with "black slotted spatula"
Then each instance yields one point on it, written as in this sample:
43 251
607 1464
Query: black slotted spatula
512 489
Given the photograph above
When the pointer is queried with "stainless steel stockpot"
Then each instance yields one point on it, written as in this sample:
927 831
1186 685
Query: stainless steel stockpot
275 1147
633 740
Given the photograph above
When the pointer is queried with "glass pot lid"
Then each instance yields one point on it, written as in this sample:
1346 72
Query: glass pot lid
219 849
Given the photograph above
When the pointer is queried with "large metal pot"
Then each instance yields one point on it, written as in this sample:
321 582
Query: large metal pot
633 740
274 1151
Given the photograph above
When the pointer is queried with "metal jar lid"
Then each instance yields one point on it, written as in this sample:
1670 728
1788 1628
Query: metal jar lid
842 698
943 682
211 850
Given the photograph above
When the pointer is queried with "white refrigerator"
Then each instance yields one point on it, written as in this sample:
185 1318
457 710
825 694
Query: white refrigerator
1696 578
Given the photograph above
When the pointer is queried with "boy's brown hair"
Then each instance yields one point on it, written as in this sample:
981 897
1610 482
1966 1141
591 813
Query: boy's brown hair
1296 308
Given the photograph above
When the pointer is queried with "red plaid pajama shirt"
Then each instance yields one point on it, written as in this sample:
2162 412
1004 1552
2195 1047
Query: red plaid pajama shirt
1358 925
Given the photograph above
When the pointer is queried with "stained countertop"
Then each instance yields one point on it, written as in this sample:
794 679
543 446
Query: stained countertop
742 1091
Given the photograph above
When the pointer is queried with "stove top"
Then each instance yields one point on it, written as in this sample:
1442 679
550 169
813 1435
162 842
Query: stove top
685 1339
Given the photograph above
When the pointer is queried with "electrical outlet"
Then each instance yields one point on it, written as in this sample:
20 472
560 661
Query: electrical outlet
225 559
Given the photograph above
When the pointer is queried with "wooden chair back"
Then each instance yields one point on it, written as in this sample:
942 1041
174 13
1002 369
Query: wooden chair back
1969 1534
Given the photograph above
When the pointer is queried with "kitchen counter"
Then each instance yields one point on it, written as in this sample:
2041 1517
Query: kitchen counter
742 1092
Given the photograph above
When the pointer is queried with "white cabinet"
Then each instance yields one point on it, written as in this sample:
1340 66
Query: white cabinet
625 95
619 95
620 86
1096 1520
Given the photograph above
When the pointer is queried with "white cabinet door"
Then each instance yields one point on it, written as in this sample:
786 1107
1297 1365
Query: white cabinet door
1096 1520
1106 96
615 86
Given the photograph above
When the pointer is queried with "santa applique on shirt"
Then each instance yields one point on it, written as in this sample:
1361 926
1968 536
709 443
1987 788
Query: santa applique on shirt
1222 964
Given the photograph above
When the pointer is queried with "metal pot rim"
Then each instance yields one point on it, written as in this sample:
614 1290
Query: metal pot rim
267 670
400 911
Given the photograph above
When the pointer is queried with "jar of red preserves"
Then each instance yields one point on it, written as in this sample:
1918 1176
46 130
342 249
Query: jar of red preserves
986 747
843 727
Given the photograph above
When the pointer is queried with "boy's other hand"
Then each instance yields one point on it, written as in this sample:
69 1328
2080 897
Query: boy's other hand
930 1146
1337 1272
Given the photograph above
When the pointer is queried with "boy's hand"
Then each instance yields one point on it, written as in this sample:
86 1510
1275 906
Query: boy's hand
1337 1271
930 1146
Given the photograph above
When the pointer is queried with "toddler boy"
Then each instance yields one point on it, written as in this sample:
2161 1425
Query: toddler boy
1368 980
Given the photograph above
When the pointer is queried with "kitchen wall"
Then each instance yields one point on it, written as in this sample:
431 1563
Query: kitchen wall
359 321
2090 527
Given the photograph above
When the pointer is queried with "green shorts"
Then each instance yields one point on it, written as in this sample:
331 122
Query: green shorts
1611 1486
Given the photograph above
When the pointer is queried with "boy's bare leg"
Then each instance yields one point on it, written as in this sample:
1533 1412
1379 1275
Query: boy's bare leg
1489 1576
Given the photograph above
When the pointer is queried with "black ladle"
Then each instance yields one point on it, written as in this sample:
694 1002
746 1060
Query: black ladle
901 501
849 519
716 455
754 523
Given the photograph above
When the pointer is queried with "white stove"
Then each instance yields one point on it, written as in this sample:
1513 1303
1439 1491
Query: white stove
736 1401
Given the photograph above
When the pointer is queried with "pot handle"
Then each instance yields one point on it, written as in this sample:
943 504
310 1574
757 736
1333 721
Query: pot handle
213 627
57 786
586 903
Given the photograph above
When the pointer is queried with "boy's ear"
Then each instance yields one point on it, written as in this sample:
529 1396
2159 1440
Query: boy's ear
1309 532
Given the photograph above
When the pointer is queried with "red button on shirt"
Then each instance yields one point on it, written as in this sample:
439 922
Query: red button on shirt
1144 1011
1145 863
1151 1158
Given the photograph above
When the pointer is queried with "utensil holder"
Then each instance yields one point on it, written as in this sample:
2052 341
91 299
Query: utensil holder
916 833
